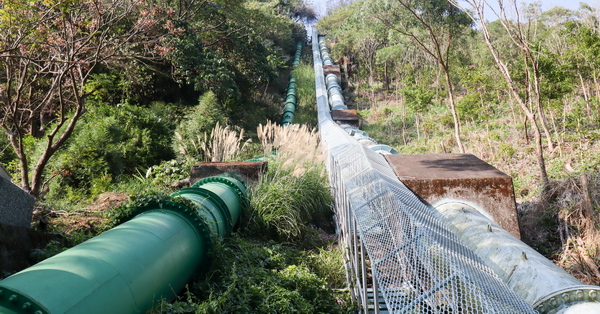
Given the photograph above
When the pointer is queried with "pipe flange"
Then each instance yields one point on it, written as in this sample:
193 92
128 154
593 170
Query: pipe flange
213 198
19 303
241 193
571 295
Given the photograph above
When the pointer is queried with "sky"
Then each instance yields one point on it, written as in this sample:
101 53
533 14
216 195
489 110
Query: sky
321 5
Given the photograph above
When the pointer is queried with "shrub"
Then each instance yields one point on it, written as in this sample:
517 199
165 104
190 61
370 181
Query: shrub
284 204
255 277
168 172
110 142
190 131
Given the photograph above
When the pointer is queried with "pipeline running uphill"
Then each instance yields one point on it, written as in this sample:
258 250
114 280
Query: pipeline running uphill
133 266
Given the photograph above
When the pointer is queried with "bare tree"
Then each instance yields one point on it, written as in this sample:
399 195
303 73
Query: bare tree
439 25
48 51
522 95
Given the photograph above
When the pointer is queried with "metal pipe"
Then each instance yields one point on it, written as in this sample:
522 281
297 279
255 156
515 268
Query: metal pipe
289 109
134 265
541 283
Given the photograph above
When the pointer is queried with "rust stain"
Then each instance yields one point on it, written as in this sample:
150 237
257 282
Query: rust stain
434 177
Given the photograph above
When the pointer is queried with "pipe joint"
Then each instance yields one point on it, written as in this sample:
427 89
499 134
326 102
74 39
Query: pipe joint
560 301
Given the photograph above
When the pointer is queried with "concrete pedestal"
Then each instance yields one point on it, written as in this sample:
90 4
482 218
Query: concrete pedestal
247 170
437 178
347 116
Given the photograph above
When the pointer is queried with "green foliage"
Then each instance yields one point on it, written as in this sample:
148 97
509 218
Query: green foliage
329 265
253 277
418 98
283 203
7 154
103 88
306 111
112 141
204 69
469 107
168 172
200 121
506 150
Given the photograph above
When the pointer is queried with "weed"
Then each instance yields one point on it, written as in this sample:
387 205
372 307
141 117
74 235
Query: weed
283 202
258 277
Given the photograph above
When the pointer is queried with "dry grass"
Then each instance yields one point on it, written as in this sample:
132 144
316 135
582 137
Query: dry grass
223 144
565 220
295 144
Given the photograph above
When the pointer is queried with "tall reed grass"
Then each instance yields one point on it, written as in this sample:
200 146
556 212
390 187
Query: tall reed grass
294 192
222 144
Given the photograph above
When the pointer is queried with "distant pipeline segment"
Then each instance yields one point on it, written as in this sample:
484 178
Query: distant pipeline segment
289 108
337 102
131 267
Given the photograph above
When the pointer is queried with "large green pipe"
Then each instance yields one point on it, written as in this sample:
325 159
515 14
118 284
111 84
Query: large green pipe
287 117
134 265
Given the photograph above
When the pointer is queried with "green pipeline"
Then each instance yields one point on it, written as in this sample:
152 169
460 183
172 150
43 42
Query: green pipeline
133 266
289 109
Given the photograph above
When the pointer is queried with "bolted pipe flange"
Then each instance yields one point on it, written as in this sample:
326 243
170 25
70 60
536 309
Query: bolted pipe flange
562 299
229 182
14 301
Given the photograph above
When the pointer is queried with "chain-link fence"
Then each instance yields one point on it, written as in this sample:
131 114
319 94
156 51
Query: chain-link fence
399 255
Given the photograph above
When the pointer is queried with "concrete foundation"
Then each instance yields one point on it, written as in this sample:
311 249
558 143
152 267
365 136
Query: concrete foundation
335 69
347 116
16 205
439 178
246 170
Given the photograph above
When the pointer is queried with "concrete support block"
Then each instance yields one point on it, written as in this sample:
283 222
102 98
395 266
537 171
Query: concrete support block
16 205
335 69
438 178
247 170
347 116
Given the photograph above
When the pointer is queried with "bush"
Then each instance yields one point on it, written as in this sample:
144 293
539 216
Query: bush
196 124
7 154
168 172
111 142
284 203
253 277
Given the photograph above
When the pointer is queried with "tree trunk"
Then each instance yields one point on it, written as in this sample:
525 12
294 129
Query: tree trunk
586 97
545 126
540 155
17 145
386 77
529 114
454 112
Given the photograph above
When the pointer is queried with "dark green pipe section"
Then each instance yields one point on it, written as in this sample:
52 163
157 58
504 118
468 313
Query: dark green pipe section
290 101
133 266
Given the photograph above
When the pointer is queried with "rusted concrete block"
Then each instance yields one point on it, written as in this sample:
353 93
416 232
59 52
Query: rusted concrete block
347 116
437 178
247 170
335 69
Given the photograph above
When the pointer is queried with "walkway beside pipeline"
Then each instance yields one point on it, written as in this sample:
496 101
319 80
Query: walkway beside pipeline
416 263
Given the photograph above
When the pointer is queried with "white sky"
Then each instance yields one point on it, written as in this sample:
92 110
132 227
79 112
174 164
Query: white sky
321 5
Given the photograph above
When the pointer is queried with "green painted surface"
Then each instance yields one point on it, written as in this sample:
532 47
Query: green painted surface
134 265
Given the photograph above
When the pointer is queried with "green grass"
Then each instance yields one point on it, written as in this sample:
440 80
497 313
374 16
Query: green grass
251 276
306 108
284 203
